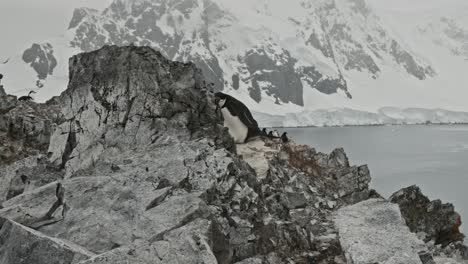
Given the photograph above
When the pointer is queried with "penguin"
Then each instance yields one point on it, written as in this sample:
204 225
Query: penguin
284 137
276 134
264 132
237 118
270 134
26 97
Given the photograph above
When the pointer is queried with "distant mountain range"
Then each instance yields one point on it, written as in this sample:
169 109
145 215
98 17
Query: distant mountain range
277 56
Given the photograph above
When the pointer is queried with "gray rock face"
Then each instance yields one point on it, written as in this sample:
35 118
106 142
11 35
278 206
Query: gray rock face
41 58
438 221
374 231
22 245
25 128
131 97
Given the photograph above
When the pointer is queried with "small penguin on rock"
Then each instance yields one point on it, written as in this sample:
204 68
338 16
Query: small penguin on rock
264 132
284 137
237 118
276 134
27 97
270 135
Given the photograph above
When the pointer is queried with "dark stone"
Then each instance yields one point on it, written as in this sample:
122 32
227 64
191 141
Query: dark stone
439 221
426 257
295 200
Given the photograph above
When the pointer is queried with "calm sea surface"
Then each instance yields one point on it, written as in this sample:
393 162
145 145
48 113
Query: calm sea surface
433 157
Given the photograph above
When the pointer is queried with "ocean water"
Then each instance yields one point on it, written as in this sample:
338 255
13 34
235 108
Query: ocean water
433 157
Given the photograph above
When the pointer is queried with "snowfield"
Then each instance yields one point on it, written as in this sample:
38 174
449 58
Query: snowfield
350 117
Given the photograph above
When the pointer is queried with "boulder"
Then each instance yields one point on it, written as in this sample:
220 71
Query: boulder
438 221
191 244
374 231
25 128
22 245
129 97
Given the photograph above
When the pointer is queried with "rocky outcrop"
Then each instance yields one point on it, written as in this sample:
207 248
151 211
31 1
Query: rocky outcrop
131 97
436 221
374 231
25 128
142 171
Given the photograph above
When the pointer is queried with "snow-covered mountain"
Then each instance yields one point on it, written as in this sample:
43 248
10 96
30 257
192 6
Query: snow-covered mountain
279 56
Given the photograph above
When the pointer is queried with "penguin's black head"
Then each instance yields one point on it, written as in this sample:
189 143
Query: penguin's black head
285 133
1 76
221 99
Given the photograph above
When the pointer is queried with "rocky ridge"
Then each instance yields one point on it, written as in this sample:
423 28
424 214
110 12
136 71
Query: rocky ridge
140 170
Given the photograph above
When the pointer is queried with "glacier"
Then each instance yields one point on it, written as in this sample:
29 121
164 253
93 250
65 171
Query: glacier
352 117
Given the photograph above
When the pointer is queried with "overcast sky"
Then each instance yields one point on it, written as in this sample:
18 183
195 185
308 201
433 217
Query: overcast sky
40 19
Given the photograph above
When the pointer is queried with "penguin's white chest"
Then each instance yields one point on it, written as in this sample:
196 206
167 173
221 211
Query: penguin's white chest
237 129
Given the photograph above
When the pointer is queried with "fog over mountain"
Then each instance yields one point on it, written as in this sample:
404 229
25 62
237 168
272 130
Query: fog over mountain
278 57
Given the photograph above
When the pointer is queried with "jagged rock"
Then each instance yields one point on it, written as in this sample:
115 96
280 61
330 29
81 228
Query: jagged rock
438 221
426 257
7 102
189 244
25 175
332 173
132 96
116 207
374 231
22 245
257 153
25 131
25 128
